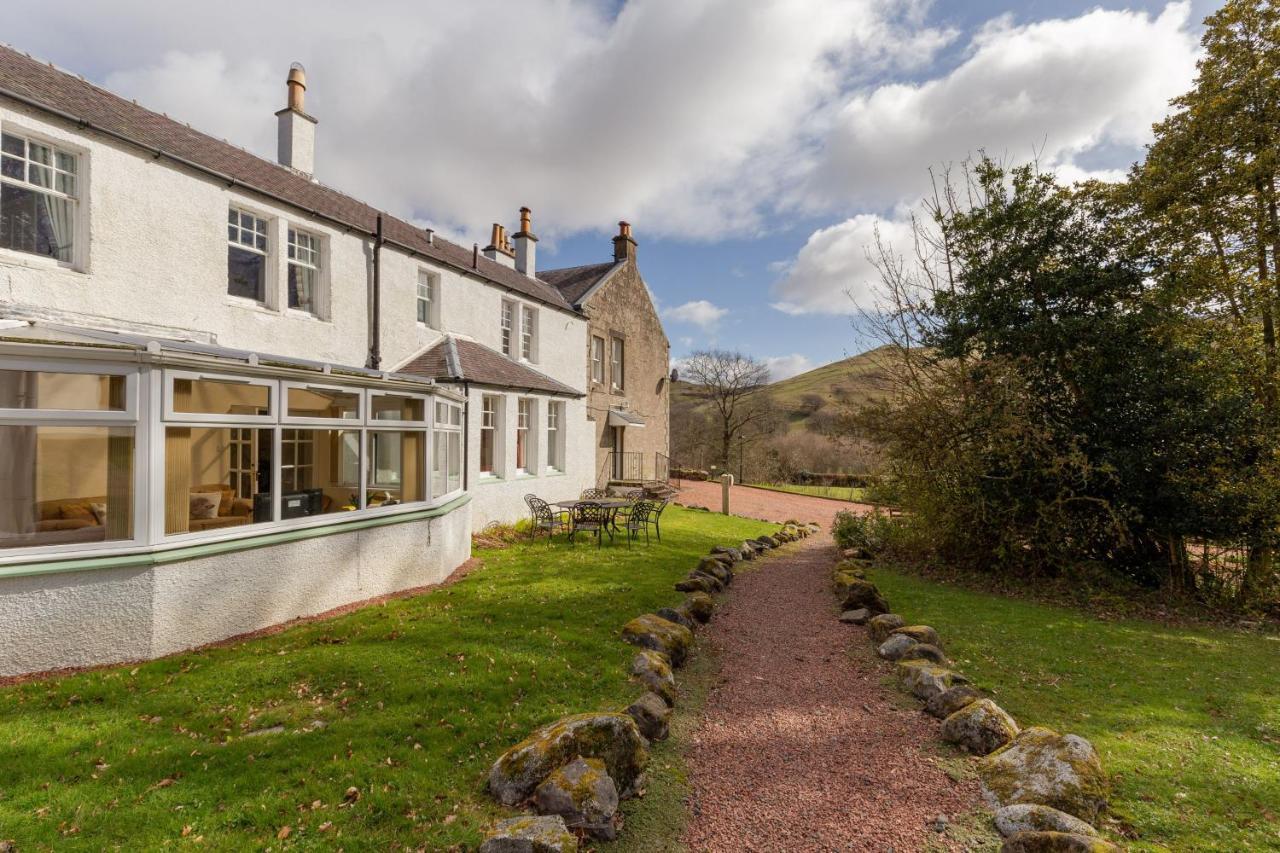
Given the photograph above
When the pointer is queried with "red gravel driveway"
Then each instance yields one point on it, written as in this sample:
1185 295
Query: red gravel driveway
800 746
765 504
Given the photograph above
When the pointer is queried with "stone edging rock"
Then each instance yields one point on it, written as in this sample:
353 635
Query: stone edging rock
1046 789
576 770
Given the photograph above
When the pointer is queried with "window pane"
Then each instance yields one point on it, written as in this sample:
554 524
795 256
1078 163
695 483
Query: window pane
220 397
36 223
325 474
216 478
395 468
455 461
439 464
11 167
394 407
324 403
302 288
91 392
65 485
15 145
246 274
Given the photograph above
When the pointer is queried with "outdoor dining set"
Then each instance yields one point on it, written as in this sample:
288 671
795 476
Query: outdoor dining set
598 513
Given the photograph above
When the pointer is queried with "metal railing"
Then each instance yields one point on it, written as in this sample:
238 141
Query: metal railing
630 465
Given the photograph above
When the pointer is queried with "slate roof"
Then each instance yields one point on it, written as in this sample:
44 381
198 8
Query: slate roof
574 282
45 87
460 360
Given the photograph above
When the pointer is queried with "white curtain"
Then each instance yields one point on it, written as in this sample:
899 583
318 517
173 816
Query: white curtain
61 224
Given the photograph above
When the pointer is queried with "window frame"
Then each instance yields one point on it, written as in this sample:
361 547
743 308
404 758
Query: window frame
131 418
600 380
268 277
430 280
79 209
554 437
441 431
427 409
171 414
148 414
54 416
494 429
319 294
286 386
526 416
506 327
528 334
618 365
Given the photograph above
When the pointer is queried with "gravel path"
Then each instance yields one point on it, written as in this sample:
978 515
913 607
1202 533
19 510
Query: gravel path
765 504
800 746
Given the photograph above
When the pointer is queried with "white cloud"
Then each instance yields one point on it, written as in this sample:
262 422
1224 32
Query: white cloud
785 366
1057 90
683 116
699 313
833 273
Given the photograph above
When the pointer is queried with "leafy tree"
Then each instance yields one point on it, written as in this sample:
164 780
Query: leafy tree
1206 206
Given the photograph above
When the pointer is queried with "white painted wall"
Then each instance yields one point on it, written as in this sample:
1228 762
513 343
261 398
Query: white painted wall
105 616
157 257
156 261
501 498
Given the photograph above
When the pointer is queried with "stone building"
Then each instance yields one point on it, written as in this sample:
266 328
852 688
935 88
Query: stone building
628 364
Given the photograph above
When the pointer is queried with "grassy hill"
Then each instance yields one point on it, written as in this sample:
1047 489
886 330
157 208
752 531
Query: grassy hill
858 380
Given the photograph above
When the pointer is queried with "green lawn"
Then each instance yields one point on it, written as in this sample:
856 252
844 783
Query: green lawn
409 703
840 493
1187 720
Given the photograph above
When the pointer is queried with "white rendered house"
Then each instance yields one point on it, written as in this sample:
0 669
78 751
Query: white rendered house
231 395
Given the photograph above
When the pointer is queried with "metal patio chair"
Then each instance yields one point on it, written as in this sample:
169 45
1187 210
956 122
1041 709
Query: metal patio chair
590 518
544 518
593 494
641 517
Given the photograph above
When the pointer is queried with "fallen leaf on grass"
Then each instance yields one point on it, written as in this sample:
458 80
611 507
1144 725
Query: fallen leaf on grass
284 832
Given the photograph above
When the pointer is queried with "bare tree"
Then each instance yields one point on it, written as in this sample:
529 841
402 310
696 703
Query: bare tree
735 387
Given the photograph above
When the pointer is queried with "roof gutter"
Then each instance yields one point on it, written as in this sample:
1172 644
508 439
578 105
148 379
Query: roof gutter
160 153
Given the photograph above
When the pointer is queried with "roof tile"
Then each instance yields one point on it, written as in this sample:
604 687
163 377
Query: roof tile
460 360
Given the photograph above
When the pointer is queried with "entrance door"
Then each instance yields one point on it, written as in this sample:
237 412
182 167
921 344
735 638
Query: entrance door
618 468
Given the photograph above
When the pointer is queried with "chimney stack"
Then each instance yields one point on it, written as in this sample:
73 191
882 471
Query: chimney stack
499 248
624 246
526 244
295 130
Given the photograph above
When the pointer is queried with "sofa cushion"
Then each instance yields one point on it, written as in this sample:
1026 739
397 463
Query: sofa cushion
73 511
204 505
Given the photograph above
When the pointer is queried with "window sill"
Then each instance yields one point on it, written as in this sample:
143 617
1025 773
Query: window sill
300 314
191 547
489 479
251 305
13 257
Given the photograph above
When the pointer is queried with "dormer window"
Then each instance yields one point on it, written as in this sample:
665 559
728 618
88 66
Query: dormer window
38 198
246 255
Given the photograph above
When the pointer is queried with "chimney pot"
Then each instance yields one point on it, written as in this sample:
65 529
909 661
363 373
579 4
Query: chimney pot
297 84
624 245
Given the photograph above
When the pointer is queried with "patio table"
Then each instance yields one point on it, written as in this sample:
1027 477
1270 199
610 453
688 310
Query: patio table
610 504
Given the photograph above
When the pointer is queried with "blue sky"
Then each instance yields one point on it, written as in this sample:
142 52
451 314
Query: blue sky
756 147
